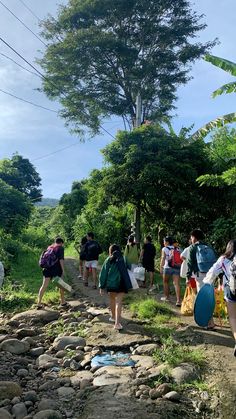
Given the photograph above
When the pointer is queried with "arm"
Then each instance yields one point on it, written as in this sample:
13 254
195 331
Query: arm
190 262
62 266
213 273
141 256
163 258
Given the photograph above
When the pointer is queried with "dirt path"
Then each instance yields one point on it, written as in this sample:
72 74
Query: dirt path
218 346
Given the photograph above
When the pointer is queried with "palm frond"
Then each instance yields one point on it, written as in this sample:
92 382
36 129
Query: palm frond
226 88
222 63
219 122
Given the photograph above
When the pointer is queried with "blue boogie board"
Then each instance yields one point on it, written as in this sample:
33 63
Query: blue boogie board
204 305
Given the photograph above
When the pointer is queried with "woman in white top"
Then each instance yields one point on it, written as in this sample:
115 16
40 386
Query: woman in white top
224 265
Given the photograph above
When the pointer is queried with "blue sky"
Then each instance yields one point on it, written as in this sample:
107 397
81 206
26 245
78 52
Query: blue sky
33 132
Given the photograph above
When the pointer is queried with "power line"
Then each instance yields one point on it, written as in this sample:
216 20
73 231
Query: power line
44 77
21 21
56 151
30 10
19 65
27 101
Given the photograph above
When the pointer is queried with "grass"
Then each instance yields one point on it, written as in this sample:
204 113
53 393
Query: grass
174 354
20 290
149 308
58 327
195 385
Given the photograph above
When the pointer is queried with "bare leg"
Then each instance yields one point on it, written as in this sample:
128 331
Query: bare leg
86 275
166 285
94 274
43 289
113 304
232 317
176 281
151 276
81 268
62 295
119 297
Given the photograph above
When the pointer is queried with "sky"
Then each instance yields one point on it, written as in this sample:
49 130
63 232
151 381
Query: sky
34 133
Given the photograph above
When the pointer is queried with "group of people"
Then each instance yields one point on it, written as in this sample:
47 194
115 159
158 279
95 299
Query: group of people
197 263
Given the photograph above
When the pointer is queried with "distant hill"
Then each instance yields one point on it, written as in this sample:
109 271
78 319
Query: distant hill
47 202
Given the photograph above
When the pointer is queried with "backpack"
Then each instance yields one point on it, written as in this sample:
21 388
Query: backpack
205 256
48 258
92 251
175 260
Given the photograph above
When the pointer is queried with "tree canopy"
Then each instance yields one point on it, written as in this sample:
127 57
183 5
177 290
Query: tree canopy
102 53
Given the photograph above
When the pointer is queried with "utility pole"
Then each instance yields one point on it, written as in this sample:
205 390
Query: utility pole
137 211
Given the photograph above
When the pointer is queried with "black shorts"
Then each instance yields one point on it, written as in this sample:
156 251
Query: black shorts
52 272
149 266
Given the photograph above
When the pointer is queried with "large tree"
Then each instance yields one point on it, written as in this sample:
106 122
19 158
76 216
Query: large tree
102 53
21 175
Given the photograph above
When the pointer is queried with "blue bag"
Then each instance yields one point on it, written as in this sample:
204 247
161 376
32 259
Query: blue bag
204 305
205 256
119 360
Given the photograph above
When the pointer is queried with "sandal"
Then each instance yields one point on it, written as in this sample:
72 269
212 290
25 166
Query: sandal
94 287
39 306
118 327
86 284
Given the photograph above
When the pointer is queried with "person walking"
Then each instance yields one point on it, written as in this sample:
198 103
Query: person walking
92 251
226 265
111 280
170 267
147 258
131 253
56 253
82 256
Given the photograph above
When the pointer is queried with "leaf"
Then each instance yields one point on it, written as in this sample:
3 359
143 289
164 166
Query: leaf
219 122
226 88
229 176
222 63
210 180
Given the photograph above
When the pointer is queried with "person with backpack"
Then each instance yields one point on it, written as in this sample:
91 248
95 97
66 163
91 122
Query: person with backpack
201 258
52 263
114 278
82 255
170 267
226 265
131 253
92 250
147 258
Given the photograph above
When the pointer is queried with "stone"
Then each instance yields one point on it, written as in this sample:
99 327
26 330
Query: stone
37 316
46 361
65 392
4 414
145 349
31 396
154 394
172 396
35 352
79 377
143 361
63 341
48 414
49 385
74 366
184 373
84 384
47 404
15 400
112 375
22 373
87 360
61 354
14 346
164 388
29 403
23 333
9 390
19 410
29 340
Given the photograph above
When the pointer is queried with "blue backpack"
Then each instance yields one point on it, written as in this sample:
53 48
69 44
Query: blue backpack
205 256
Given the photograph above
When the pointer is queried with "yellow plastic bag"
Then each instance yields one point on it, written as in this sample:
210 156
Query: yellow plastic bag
188 302
220 307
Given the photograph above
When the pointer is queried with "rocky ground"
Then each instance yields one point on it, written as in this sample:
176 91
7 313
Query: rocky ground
45 367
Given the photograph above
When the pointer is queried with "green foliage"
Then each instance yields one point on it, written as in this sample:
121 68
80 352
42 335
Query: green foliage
101 53
174 354
59 327
223 230
149 308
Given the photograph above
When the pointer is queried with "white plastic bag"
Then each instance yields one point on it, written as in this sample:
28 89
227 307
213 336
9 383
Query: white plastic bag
133 280
139 273
62 284
1 273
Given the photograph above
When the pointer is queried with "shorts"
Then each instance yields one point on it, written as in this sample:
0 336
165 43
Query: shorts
91 264
149 266
171 271
229 297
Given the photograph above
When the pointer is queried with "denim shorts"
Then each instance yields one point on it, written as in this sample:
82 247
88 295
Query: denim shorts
231 298
171 271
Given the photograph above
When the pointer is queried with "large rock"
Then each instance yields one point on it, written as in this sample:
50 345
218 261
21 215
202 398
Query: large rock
112 375
37 316
80 377
23 333
4 414
47 404
146 349
9 390
173 396
46 361
48 414
143 361
19 410
63 341
14 346
184 373
65 392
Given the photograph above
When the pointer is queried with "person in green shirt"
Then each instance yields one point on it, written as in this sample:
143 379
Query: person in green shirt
131 253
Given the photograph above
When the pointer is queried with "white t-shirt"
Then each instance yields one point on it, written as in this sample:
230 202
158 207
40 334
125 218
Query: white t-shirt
184 265
166 252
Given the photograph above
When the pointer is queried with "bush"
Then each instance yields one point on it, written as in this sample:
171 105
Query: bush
35 237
